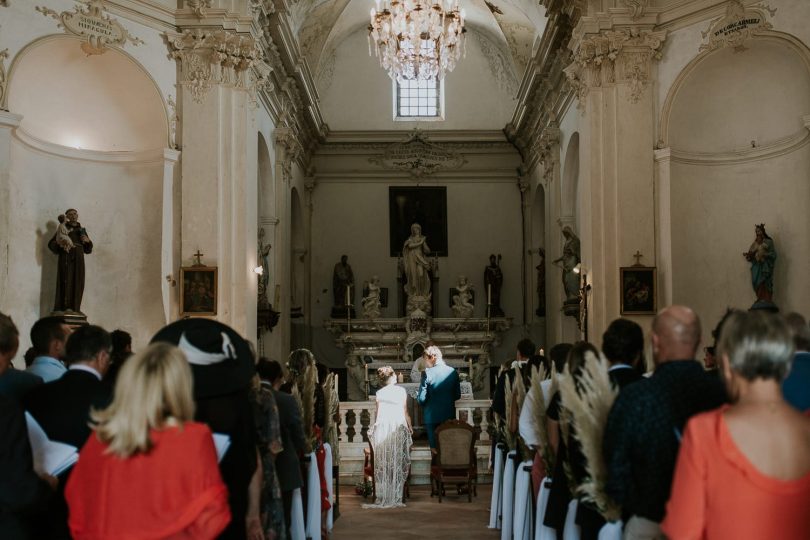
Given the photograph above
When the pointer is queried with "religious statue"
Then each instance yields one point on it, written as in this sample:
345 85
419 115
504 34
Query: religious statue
541 283
493 280
462 301
71 244
371 302
264 277
762 256
417 270
342 282
570 258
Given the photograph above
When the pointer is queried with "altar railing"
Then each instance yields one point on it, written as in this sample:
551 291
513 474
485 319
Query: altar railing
357 416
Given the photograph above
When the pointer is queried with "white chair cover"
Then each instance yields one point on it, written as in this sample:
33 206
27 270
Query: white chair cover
611 531
542 532
313 515
571 530
497 483
508 496
330 521
522 517
297 518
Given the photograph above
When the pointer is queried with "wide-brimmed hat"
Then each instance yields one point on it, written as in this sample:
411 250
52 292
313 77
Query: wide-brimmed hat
221 360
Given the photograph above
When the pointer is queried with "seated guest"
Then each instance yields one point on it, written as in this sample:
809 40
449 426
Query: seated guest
14 383
744 470
797 384
288 466
149 471
524 352
623 346
121 350
22 492
49 337
268 433
62 407
643 428
222 368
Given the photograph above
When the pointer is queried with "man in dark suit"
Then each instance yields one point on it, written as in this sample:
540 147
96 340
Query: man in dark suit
623 345
439 390
62 407
14 383
288 466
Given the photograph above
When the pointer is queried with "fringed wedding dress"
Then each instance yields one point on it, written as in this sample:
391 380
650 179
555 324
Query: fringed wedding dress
391 441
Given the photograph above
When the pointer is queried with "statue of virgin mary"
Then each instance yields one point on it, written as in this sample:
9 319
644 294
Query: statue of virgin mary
417 267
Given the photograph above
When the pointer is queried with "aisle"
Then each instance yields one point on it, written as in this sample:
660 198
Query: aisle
423 518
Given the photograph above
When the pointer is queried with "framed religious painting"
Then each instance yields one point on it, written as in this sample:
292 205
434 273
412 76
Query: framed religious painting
198 291
426 206
638 290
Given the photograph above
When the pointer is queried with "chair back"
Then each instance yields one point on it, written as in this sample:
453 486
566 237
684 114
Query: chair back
455 443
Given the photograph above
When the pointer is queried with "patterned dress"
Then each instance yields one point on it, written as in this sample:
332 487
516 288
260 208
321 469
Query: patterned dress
268 429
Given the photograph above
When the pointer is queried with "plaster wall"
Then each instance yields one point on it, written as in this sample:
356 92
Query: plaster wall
120 205
356 93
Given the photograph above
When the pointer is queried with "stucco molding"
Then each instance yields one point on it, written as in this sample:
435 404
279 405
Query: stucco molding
143 156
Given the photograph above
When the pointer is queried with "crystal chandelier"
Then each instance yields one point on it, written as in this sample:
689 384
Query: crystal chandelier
417 39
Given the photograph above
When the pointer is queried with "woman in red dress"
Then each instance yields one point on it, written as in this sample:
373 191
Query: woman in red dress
743 470
148 472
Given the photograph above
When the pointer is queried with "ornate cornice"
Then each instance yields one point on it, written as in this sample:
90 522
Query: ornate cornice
211 57
615 56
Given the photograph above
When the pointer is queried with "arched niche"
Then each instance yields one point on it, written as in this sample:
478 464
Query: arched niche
538 279
739 155
570 177
105 103
298 252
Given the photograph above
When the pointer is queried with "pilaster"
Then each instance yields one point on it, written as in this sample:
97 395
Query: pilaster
612 74
8 123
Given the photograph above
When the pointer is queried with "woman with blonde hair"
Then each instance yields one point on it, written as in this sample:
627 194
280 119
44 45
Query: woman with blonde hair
148 471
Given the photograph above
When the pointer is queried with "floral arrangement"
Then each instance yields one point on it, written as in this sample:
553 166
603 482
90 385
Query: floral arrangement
363 488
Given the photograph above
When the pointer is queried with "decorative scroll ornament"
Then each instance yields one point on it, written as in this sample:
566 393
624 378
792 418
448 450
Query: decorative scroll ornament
636 7
199 7
418 156
89 22
737 25
208 58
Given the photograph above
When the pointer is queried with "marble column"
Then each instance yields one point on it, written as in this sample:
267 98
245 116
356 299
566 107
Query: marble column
611 74
218 177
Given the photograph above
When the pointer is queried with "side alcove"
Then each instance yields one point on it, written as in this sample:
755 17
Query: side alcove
735 125
105 103
92 137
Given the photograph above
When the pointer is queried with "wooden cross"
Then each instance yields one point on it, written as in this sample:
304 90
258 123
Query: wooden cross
637 256
198 256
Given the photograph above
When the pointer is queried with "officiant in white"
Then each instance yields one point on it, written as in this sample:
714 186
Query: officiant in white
391 441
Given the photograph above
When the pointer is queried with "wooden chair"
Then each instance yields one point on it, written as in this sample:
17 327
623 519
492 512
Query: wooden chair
454 459
368 474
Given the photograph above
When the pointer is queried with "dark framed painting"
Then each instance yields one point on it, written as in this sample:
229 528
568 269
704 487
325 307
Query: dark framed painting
639 290
198 291
426 206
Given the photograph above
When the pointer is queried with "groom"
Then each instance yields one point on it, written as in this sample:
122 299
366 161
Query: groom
438 392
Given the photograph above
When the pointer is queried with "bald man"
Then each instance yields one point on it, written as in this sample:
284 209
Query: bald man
644 426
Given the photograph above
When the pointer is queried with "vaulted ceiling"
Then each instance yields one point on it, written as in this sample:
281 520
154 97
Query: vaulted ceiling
513 26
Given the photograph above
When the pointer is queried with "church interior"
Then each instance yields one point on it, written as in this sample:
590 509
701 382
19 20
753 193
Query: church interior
264 164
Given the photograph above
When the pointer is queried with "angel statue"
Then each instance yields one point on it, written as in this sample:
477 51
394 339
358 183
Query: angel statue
371 302
462 301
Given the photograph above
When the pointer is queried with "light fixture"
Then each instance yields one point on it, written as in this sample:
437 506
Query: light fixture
258 270
417 39
578 268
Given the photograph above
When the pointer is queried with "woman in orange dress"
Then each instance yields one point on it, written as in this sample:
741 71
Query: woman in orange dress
743 470
148 472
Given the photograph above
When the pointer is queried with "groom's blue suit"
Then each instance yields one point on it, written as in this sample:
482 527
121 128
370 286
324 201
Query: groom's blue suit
438 392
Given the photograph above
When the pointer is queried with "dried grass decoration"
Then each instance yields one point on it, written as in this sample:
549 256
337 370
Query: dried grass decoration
539 411
330 432
303 390
589 405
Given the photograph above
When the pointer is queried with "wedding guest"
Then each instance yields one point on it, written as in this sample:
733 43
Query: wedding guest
222 369
149 471
14 383
121 351
49 337
743 470
796 386
644 425
623 346
268 432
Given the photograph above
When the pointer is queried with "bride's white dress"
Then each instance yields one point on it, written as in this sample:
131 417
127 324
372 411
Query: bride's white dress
392 442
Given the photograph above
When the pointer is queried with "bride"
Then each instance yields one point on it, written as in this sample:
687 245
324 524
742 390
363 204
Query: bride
391 441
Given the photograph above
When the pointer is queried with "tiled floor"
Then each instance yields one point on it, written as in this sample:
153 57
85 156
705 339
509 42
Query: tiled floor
423 517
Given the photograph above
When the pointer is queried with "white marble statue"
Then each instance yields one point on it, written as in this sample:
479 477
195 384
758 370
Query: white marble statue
371 302
417 267
462 301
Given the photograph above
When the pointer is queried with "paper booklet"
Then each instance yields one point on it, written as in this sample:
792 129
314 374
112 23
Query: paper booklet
222 443
51 457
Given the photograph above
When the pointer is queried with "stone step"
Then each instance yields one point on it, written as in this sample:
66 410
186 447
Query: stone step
352 458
